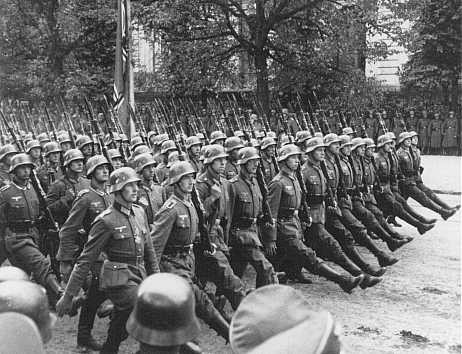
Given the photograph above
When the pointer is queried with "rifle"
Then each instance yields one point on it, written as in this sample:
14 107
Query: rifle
70 125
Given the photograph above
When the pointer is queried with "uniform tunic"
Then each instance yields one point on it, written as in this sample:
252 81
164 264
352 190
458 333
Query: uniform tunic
150 198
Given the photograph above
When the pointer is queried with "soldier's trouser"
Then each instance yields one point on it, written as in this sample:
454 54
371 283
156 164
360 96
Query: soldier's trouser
24 253
3 253
432 195
296 255
123 298
374 209
391 205
95 297
369 221
216 268
241 256
411 190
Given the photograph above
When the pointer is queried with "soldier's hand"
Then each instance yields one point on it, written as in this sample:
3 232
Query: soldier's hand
65 268
271 248
64 305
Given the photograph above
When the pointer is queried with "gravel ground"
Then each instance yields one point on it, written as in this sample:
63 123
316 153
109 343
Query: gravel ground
416 309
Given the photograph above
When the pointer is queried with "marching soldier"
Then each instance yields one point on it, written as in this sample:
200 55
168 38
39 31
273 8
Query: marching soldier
122 233
6 153
116 158
43 139
193 148
217 137
167 147
434 129
34 149
88 205
19 219
232 146
174 234
85 145
268 151
65 142
50 171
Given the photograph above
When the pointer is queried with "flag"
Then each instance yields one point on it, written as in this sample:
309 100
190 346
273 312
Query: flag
123 92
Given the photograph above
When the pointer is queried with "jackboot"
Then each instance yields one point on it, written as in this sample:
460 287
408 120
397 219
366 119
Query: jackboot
346 282
432 195
218 323
300 278
447 213
392 220
54 290
395 234
190 348
371 269
349 266
370 281
383 258
421 227
416 215
392 243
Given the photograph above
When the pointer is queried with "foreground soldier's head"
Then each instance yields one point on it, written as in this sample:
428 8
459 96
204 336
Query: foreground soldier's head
124 185
289 157
182 176
278 319
21 166
384 143
249 160
315 149
164 316
97 168
19 334
215 158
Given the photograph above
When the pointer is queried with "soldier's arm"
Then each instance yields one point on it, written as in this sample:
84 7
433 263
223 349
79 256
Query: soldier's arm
274 197
162 227
3 206
99 235
69 245
58 202
208 199
150 258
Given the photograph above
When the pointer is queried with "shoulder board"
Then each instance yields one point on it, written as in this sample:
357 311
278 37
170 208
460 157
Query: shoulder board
170 203
5 187
82 193
136 206
202 178
103 213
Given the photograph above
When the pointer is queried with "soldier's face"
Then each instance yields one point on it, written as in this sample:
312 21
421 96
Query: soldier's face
218 165
148 173
370 151
415 140
35 153
360 150
292 162
76 166
195 150
130 192
346 150
87 150
270 150
252 166
66 146
101 173
407 143
318 154
235 154
220 142
23 172
117 163
186 183
54 157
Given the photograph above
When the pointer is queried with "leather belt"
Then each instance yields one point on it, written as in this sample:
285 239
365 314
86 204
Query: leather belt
245 222
176 249
134 261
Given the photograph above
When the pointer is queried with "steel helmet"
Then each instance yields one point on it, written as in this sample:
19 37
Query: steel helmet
413 133
64 138
19 334
383 139
369 143
266 142
213 152
178 170
12 273
151 134
108 139
124 138
6 150
32 144
288 150
391 135
94 162
72 155
21 159
142 161
167 145
51 147
200 136
217 135
271 134
121 177
141 149
161 138
302 136
233 143
403 136
136 141
331 138
83 141
259 134
192 140
164 313
246 154
173 157
314 143
357 142
239 133
286 139
31 300
347 131
43 138
345 140
114 154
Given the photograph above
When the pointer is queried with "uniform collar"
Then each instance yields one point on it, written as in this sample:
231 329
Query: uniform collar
287 174
313 163
24 188
213 176
123 209
97 190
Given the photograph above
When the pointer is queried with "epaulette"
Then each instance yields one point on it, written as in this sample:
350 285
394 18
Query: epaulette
202 178
82 193
170 203
5 187
135 206
103 214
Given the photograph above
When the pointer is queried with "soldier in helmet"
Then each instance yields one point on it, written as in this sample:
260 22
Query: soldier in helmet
65 142
19 217
268 151
34 149
6 153
164 317
217 137
450 132
88 204
213 191
156 150
150 192
12 273
174 233
51 170
193 148
246 211
116 158
232 146
122 233
19 334
85 145
167 147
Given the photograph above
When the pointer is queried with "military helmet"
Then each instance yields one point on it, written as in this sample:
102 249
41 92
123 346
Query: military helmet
142 161
83 141
173 157
217 135
7 149
151 134
161 138
136 141
94 162
246 154
233 143
347 131
111 138
302 136
213 152
345 140
383 139
21 159
201 136
43 138
72 155
357 142
19 334
314 143
259 134
287 139
369 143
12 273
331 138
141 149
266 142
391 135
191 141
33 144
124 138
164 313
121 177
288 150
51 147
403 136
114 154
167 145
413 133
31 300
64 138
271 134
178 170
239 133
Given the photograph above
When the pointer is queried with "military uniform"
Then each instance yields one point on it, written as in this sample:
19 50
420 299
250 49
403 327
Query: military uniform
231 169
48 174
435 132
150 198
422 130
371 126
5 177
161 172
196 163
268 169
246 207
450 138
123 235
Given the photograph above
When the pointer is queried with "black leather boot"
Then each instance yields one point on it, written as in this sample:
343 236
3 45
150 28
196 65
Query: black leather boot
370 281
218 323
371 269
346 282
385 259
